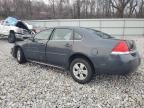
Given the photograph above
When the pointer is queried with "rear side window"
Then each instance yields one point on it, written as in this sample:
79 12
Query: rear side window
62 34
77 36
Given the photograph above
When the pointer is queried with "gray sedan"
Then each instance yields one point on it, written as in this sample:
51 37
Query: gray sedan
82 51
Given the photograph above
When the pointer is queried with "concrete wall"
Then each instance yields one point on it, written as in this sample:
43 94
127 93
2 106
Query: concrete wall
115 27
131 29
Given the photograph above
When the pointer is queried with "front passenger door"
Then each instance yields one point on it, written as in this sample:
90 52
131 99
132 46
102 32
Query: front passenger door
36 48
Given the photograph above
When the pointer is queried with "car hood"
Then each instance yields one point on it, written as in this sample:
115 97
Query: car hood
29 26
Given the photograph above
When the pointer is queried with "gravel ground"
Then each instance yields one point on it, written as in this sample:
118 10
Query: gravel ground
36 86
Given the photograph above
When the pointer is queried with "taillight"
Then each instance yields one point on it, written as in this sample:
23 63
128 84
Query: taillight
121 48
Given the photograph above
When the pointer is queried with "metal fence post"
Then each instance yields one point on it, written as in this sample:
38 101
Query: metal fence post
143 29
124 27
79 22
100 27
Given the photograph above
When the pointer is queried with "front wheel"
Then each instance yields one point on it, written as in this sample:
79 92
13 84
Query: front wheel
11 37
20 56
81 70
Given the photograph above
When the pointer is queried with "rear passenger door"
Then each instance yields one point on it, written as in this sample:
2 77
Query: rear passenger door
59 46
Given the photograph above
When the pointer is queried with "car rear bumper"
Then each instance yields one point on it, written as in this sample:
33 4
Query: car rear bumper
119 64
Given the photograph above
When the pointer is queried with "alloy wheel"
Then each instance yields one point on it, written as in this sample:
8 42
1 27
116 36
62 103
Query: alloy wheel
80 71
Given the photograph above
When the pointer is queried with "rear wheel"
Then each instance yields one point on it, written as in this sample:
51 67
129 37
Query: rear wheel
20 56
11 37
81 70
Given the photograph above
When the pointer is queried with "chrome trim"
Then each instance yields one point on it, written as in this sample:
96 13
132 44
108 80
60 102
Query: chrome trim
65 40
128 52
45 64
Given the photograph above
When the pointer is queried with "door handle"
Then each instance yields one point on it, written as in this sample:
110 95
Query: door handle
68 45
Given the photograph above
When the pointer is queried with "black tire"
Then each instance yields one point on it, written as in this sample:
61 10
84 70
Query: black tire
11 37
89 68
20 56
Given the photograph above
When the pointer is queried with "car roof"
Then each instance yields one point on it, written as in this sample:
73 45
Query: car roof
81 30
71 27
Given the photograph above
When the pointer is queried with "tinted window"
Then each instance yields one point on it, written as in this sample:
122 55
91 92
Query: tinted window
62 34
44 35
77 36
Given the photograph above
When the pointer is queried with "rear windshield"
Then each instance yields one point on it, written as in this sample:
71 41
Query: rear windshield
100 34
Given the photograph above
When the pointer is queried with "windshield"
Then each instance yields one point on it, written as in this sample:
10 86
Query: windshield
101 34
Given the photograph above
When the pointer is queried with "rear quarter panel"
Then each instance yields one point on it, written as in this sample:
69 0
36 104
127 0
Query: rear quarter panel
96 49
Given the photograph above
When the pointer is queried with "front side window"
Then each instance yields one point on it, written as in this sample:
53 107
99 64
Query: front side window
62 34
44 35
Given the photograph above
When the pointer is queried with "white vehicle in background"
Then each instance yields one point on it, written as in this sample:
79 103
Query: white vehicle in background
15 29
